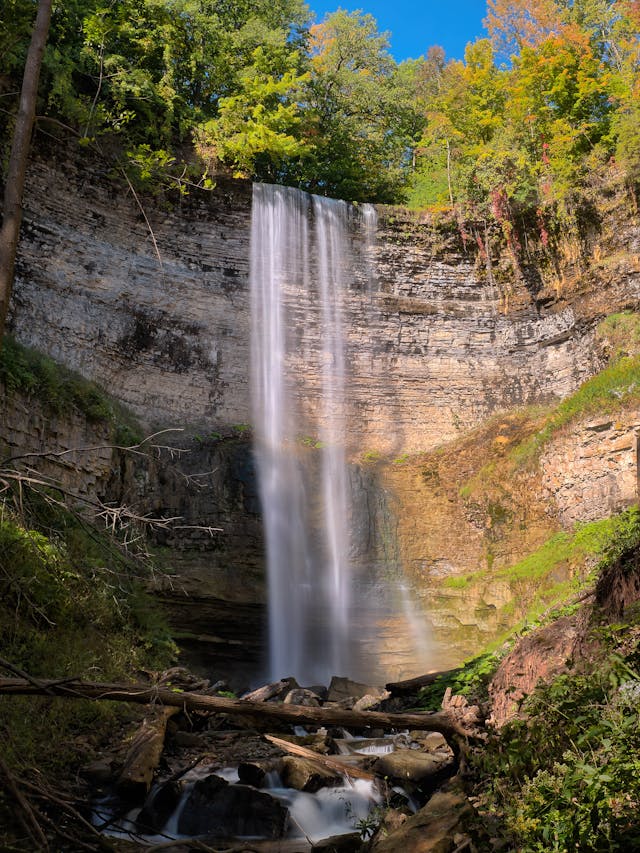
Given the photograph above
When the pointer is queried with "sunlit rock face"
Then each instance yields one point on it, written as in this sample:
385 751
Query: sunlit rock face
159 313
153 302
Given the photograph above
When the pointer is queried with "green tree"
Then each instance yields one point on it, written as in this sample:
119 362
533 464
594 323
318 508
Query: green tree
362 118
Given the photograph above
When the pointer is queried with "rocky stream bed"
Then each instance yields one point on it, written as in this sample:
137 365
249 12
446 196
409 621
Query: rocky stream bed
192 779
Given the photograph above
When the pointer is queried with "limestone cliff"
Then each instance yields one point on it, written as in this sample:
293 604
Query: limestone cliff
443 334
157 310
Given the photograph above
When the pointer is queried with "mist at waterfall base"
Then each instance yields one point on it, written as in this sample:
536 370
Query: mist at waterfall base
333 610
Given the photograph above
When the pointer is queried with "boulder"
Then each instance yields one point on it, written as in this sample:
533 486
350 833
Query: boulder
350 842
341 689
218 809
439 827
305 775
424 770
256 772
161 802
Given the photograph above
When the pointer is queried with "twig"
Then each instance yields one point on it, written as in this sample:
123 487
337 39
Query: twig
27 814
146 219
63 804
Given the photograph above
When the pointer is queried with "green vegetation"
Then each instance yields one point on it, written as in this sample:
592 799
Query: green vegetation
177 90
566 776
71 605
583 794
620 334
606 392
60 390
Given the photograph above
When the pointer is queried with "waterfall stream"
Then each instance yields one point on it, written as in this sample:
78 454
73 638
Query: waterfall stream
322 613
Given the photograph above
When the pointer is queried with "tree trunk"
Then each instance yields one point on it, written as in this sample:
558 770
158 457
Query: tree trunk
295 714
14 187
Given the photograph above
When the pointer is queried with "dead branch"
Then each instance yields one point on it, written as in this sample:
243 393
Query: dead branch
438 721
130 448
329 762
26 813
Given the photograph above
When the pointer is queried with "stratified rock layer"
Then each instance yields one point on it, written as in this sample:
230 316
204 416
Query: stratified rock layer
156 308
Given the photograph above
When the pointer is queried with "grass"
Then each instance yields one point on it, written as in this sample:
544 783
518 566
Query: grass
60 390
606 392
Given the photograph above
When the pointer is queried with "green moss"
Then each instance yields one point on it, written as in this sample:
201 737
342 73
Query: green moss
594 540
60 390
460 582
620 334
617 384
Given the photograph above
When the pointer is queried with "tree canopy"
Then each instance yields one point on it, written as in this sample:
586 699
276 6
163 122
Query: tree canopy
182 89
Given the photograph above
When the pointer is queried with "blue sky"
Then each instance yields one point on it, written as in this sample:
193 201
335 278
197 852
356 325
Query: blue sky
415 25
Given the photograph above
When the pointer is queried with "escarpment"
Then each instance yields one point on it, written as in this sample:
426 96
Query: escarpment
446 337
155 304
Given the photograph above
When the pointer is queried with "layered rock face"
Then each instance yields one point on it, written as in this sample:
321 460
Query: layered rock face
155 306
210 556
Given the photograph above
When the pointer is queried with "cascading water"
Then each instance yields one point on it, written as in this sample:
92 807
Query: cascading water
322 617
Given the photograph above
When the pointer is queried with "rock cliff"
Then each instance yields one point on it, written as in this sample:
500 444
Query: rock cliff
153 303
151 299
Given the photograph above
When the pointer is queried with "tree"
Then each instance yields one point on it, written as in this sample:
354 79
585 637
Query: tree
361 113
18 158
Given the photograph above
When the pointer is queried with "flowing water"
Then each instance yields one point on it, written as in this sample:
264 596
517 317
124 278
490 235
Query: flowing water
324 611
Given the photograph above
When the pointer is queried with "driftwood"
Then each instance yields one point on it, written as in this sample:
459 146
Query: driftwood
327 761
294 714
411 685
144 754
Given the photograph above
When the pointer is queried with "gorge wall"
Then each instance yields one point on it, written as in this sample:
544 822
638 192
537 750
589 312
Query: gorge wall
431 348
154 305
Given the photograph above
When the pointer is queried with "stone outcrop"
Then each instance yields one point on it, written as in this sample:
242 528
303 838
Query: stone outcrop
592 470
212 579
432 349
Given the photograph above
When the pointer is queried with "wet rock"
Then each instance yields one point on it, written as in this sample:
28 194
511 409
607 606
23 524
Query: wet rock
439 827
409 765
302 696
305 775
342 689
158 807
350 842
216 808
256 772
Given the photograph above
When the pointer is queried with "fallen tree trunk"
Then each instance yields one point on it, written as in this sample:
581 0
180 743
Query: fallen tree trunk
330 762
295 714
412 685
144 754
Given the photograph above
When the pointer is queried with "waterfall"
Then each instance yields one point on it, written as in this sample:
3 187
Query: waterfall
331 611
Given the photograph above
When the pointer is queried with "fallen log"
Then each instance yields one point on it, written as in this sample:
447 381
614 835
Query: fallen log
412 685
331 762
144 754
294 714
